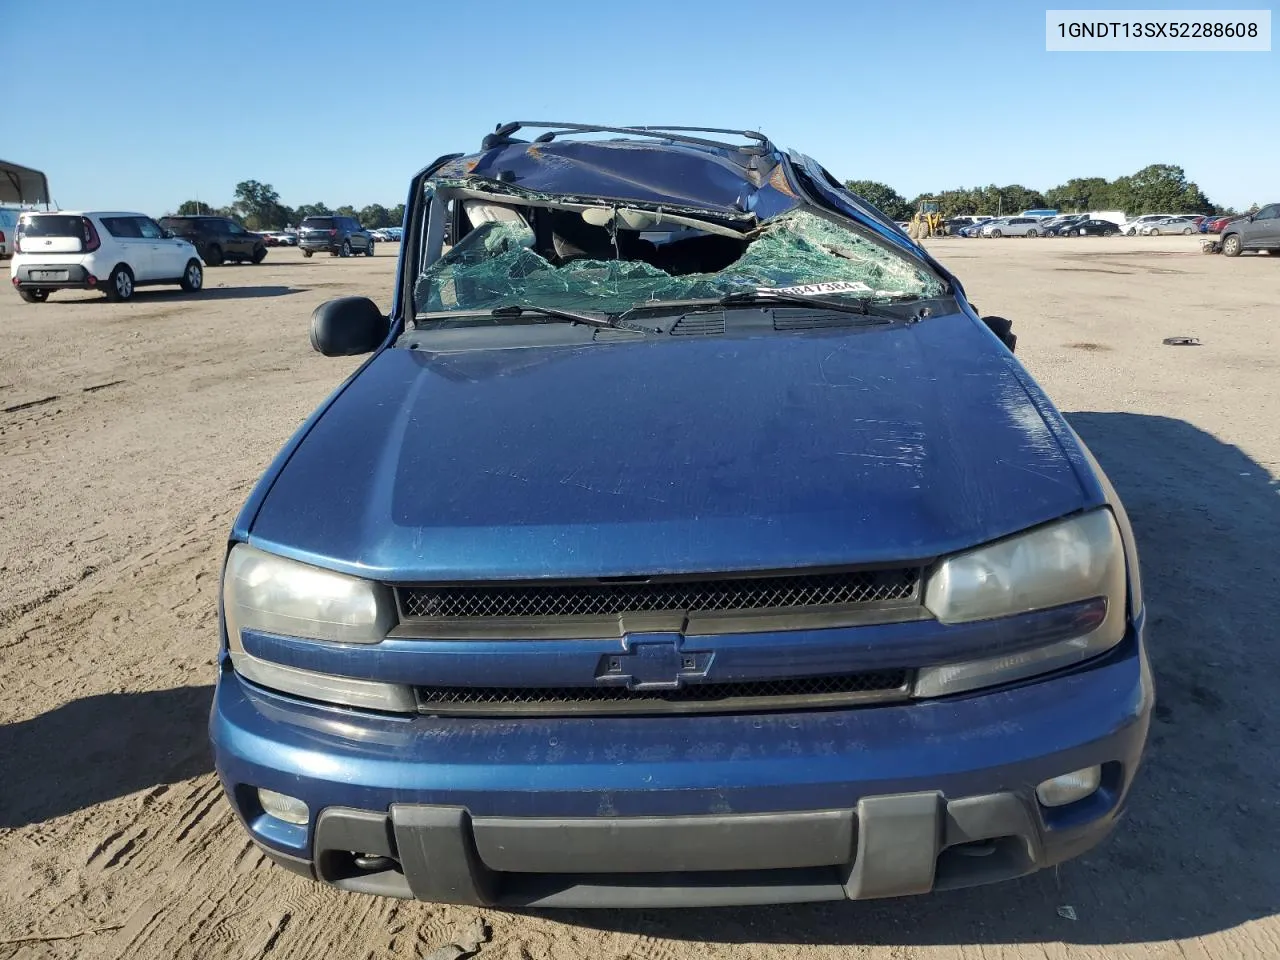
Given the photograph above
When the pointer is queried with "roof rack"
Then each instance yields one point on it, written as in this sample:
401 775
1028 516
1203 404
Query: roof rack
502 134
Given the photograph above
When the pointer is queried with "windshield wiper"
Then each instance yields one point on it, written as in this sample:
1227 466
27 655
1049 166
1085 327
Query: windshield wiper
865 308
570 316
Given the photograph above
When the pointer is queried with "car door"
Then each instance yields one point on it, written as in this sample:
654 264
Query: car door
1264 231
239 240
135 250
168 254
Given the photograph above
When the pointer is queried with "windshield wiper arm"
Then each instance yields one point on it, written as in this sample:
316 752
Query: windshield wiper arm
751 297
571 316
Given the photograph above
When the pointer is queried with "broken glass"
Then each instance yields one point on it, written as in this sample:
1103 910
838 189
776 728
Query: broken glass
497 264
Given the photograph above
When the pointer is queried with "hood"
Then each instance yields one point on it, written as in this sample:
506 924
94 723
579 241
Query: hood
867 445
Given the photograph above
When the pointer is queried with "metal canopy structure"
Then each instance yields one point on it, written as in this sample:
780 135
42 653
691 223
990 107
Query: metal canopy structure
23 185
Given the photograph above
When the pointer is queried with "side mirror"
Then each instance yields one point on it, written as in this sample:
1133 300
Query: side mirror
347 326
166 234
1003 329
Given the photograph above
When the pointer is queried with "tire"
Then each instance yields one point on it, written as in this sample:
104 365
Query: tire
997 234
214 257
119 286
345 251
34 296
1108 233
368 252
306 253
192 277
1132 232
1231 245
1033 234
1187 232
260 254
1154 232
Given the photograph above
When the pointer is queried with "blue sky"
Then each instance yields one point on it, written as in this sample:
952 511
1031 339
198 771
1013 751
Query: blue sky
342 102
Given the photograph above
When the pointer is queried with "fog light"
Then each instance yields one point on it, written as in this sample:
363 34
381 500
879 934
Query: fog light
1070 787
288 809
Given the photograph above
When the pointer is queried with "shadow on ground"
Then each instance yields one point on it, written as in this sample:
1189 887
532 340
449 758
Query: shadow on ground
99 748
1195 854
166 294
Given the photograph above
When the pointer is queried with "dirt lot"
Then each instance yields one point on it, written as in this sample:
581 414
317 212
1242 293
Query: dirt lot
130 434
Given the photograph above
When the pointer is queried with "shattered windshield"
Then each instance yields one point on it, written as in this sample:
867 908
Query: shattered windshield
605 260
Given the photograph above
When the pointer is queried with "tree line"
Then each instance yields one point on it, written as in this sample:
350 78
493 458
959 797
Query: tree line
1158 188
257 206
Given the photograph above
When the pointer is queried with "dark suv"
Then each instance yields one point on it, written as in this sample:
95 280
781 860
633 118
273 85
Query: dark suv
340 236
218 239
1254 231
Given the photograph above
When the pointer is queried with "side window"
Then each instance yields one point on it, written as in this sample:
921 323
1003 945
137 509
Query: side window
234 228
148 229
1268 213
122 228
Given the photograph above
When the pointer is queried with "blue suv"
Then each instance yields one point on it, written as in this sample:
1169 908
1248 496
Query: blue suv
686 538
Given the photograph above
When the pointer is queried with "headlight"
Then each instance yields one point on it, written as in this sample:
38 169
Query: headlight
270 594
1065 562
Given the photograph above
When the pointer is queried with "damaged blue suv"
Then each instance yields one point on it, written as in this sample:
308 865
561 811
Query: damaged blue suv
687 538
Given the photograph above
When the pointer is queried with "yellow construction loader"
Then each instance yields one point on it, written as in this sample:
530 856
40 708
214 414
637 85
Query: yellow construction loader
927 222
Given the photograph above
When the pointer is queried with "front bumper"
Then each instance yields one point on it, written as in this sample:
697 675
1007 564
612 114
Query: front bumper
58 276
687 811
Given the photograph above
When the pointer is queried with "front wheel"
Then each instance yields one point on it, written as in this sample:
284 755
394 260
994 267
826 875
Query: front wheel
1105 233
1186 232
192 276
368 251
120 284
34 296
997 234
260 254
1231 246
306 253
1153 233
1132 232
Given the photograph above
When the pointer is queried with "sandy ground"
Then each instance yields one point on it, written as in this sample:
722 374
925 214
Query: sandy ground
130 434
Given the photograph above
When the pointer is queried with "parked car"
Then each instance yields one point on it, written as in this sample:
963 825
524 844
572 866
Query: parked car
498 629
279 238
338 236
1013 227
975 229
1133 228
1169 226
219 239
1093 228
1061 226
1255 231
1215 224
8 231
107 251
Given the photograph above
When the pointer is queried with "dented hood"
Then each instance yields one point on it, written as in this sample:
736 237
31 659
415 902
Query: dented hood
866 445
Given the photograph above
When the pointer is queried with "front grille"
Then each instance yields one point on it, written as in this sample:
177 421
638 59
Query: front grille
596 598
786 694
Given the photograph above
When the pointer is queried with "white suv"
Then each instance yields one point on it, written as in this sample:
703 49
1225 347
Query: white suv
111 252
1014 227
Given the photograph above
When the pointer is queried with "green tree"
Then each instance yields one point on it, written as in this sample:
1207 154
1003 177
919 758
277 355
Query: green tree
373 216
194 208
312 210
346 210
259 206
881 196
395 216
1080 194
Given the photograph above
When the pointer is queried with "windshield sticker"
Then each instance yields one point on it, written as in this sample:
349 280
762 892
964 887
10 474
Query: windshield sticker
831 286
